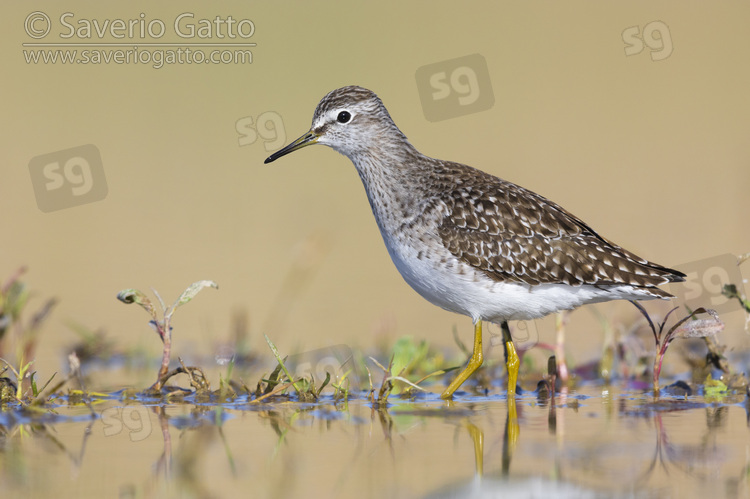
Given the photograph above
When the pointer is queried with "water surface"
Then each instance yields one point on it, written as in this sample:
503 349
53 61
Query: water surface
597 441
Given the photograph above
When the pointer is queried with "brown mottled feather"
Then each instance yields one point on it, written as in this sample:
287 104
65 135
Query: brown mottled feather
515 235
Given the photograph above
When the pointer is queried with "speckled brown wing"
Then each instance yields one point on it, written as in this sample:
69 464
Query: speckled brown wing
515 235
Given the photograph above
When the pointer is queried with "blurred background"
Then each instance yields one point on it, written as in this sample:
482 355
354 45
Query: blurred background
633 117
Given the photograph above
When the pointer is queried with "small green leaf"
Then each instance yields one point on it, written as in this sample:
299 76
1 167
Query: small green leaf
193 290
672 333
701 328
281 362
45 385
325 383
135 296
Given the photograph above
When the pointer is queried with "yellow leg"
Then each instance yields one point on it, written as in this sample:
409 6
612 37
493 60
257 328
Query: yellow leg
510 438
512 362
477 436
512 428
474 362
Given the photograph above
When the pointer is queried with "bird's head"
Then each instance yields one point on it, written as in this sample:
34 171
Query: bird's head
350 120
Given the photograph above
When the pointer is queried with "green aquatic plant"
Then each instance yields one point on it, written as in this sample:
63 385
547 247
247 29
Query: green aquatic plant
31 396
21 336
14 297
341 389
306 389
386 387
163 326
226 390
730 291
698 328
281 379
715 390
281 363
416 358
20 374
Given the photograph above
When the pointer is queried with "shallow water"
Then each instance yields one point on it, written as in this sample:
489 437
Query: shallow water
597 441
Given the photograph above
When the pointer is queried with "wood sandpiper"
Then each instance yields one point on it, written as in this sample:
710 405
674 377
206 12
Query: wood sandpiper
470 242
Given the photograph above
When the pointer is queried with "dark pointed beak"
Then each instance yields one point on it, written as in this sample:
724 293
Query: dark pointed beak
307 139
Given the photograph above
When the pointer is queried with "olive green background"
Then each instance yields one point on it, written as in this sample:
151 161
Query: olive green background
653 154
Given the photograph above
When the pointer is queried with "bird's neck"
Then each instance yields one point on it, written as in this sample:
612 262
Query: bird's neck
390 176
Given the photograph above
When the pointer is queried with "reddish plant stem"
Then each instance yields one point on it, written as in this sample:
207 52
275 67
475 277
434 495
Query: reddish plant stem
657 366
166 336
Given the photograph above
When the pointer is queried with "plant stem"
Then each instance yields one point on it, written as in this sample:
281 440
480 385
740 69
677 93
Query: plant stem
657 367
166 335
281 362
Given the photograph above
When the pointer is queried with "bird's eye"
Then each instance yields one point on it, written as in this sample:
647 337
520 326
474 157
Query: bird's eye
344 117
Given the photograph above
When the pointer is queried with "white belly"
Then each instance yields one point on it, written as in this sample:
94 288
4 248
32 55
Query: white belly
459 288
